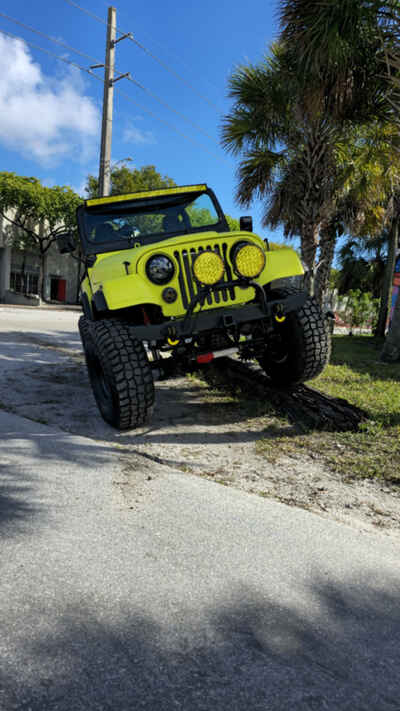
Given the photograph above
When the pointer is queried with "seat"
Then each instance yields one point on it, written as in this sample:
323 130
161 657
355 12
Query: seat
104 233
171 223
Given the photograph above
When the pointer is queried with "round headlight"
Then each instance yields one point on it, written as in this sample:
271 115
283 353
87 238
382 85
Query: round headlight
248 259
160 269
208 268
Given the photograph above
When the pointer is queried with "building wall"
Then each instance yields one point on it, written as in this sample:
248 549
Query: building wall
62 266
58 269
5 262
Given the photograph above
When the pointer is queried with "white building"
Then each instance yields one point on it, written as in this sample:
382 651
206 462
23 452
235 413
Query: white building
19 272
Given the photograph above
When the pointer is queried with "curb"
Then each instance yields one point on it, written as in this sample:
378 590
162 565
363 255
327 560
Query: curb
43 307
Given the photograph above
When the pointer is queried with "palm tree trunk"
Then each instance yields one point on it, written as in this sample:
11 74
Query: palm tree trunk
391 348
388 279
309 243
326 254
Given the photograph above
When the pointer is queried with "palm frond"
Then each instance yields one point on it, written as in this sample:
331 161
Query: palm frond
256 175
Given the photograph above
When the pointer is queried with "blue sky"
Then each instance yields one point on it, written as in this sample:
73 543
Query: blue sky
50 113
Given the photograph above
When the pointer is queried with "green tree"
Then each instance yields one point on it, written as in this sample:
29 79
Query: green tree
358 309
391 243
234 224
334 278
369 208
37 213
125 180
353 47
289 148
362 265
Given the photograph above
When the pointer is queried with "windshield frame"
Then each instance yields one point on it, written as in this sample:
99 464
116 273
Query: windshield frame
88 247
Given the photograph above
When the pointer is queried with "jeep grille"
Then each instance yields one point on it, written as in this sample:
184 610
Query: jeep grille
188 284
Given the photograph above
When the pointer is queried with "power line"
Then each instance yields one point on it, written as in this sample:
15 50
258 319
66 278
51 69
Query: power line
48 37
166 49
169 107
149 53
47 51
122 93
93 59
174 73
166 123
88 12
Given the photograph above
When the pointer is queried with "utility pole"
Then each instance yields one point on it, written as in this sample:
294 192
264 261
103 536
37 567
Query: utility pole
109 81
106 127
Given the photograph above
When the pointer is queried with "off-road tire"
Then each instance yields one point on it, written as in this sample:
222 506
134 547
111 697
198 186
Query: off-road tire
119 372
304 344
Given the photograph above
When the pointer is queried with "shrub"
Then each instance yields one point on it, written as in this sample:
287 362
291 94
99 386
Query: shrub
358 309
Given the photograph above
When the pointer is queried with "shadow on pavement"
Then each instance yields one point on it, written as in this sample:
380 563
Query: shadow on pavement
31 459
51 338
254 655
14 508
49 385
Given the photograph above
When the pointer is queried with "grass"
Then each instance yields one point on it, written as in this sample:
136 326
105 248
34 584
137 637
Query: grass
356 375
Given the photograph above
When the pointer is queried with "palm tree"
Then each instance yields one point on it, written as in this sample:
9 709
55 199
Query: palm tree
392 240
362 264
368 207
353 48
319 176
288 146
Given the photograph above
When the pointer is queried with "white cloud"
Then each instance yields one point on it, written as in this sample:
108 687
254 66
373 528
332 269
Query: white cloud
80 188
48 182
135 135
40 117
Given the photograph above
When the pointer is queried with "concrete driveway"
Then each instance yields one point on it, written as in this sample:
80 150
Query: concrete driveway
127 584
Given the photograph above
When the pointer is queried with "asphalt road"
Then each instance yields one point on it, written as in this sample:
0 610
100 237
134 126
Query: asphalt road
175 592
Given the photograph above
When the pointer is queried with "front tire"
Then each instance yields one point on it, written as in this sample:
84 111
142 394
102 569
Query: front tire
119 372
300 347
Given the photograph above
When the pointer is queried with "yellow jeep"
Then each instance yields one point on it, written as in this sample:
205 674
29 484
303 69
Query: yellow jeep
168 287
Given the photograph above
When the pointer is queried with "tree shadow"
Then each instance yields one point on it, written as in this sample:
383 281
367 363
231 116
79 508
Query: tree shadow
361 354
26 472
14 508
339 652
47 339
185 413
53 388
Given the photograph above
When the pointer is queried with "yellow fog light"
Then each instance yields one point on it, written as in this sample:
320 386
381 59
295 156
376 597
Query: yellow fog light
208 268
249 261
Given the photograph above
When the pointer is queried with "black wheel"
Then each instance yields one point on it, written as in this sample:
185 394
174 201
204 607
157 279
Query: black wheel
119 372
300 347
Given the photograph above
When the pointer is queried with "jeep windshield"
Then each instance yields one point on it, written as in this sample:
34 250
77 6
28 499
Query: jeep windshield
122 225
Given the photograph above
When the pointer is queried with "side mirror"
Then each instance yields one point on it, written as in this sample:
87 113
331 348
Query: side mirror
246 223
66 243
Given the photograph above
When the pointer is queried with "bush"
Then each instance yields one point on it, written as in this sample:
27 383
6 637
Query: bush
358 309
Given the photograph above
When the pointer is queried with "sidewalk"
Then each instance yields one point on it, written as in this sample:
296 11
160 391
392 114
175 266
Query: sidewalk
176 592
43 306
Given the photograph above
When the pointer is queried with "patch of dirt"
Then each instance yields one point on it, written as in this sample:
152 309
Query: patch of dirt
200 432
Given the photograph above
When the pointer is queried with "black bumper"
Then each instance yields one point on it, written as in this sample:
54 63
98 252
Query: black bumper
219 318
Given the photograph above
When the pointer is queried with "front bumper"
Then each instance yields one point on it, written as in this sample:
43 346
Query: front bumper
218 319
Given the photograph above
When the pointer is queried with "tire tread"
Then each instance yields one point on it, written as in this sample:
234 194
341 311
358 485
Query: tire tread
125 362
